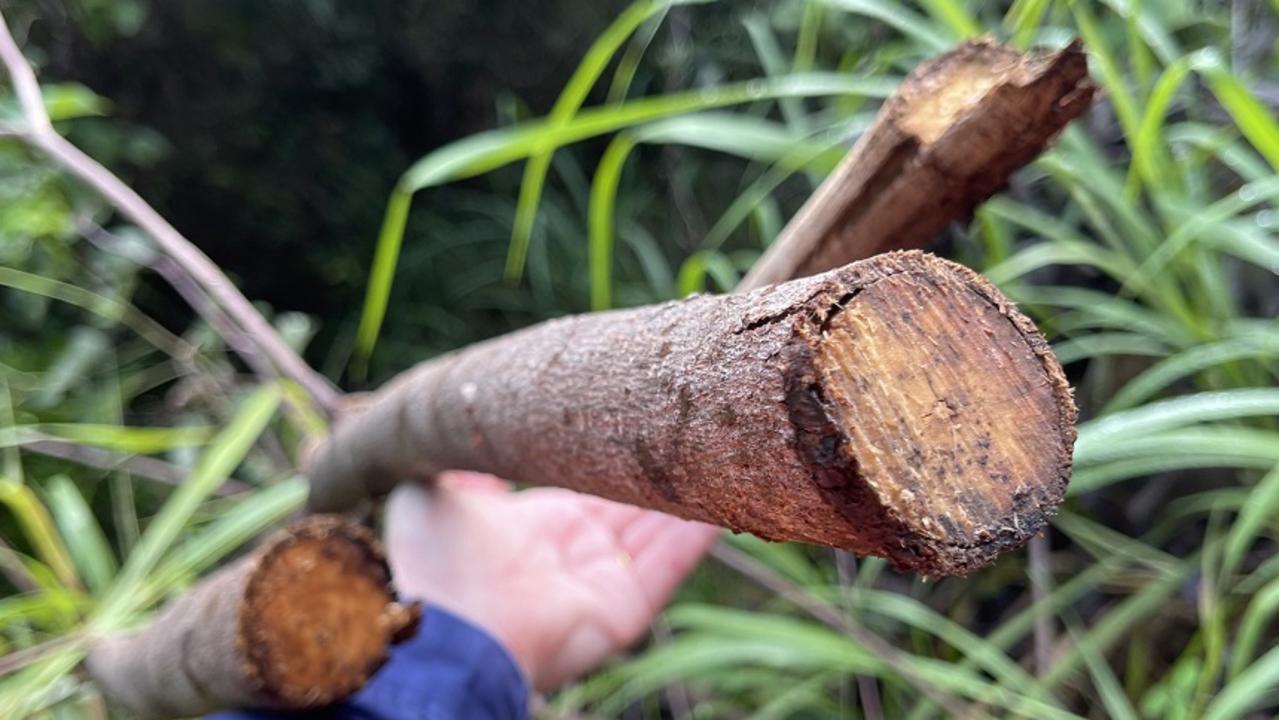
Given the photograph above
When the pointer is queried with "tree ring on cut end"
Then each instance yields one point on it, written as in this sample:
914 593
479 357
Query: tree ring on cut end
318 615
957 423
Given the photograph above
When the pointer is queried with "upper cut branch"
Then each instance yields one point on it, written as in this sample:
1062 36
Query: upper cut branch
950 137
899 406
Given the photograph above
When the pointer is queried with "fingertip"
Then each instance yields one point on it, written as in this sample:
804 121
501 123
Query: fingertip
467 481
670 557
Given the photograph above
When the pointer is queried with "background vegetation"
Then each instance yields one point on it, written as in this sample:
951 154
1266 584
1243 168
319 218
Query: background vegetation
313 149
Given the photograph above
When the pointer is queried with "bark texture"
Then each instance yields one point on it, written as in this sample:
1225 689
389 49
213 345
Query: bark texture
898 406
302 621
951 136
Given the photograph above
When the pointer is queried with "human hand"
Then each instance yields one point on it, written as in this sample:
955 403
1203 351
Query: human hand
564 580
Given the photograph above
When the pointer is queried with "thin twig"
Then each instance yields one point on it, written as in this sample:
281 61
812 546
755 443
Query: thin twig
19 659
193 294
140 465
39 134
677 700
833 618
24 83
867 688
1039 589
14 571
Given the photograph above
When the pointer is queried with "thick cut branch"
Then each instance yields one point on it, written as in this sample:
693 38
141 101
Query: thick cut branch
301 622
948 139
899 406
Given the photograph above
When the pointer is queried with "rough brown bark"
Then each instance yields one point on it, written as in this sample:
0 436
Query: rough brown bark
302 621
951 136
899 406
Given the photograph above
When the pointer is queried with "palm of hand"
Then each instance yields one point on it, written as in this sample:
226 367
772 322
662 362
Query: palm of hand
563 580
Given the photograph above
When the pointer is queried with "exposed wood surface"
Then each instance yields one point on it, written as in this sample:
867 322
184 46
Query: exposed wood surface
951 136
789 412
303 620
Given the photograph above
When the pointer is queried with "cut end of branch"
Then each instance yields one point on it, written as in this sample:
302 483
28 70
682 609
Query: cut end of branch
1047 89
952 136
302 621
318 613
934 416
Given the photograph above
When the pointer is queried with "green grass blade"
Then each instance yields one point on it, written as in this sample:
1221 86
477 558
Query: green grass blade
1163 374
1112 77
1156 33
104 307
251 516
34 519
785 558
1196 225
1260 613
1177 412
628 65
823 155
1117 704
702 264
1250 115
575 91
1261 509
955 16
1116 623
786 643
84 353
378 294
1247 690
1177 451
760 31
896 16
793 701
810 28
87 544
1023 20
1244 239
1094 309
983 655
1150 147
1221 143
1060 252
1107 343
602 218
139 440
747 137
490 150
217 462
1102 542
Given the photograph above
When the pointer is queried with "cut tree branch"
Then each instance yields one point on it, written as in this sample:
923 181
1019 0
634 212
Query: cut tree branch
38 133
960 125
950 137
302 621
899 406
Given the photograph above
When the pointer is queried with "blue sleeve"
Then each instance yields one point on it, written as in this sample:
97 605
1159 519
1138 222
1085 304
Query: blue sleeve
449 670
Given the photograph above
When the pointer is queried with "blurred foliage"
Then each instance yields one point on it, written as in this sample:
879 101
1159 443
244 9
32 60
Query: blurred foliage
342 96
279 136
